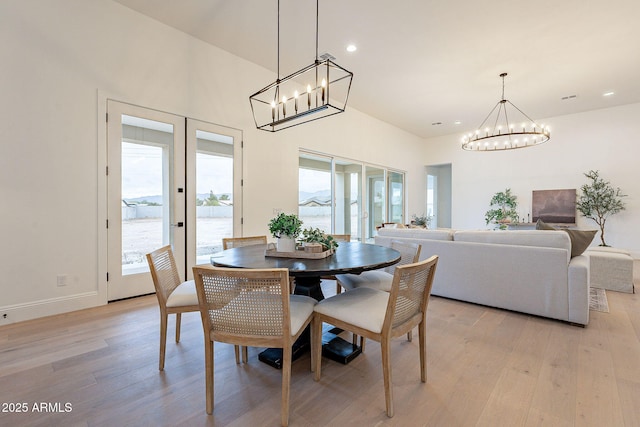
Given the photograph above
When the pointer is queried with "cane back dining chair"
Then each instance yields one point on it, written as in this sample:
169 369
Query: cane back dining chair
381 316
174 296
236 242
250 307
381 279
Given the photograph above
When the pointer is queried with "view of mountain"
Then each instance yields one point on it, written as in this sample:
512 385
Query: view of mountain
158 199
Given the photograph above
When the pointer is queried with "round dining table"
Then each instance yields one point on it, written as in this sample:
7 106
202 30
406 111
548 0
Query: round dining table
348 258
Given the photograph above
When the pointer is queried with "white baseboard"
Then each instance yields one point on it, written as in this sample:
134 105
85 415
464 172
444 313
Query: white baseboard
48 307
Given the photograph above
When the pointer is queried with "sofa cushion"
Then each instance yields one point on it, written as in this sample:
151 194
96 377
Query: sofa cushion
417 233
557 239
580 239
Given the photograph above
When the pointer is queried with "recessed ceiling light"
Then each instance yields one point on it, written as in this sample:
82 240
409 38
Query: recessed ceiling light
351 48
457 122
608 93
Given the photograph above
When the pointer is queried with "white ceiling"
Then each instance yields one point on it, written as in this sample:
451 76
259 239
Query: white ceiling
421 62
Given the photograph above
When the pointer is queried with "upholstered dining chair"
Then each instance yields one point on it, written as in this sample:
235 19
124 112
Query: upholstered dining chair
251 307
174 296
381 279
234 242
381 316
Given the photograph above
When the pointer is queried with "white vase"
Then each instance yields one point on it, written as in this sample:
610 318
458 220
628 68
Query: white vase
286 244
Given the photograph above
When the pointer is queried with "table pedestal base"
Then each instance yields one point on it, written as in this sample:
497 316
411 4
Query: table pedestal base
338 349
333 347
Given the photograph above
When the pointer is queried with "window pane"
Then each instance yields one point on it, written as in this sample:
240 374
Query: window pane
376 195
214 193
146 159
314 192
348 189
396 197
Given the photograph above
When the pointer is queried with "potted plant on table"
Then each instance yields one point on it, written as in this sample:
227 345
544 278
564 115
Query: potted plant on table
503 210
421 221
316 238
286 228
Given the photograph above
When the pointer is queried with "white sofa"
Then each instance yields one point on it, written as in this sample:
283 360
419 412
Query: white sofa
528 271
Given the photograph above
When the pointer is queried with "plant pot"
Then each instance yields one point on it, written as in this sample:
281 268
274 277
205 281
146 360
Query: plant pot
286 244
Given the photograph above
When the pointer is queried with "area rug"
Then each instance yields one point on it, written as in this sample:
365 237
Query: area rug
598 300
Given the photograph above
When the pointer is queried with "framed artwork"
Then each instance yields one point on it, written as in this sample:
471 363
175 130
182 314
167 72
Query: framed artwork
554 206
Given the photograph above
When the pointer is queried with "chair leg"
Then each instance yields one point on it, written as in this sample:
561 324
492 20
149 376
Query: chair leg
316 336
163 338
338 288
286 382
208 363
354 341
237 351
245 354
178 322
386 373
312 328
422 343
410 336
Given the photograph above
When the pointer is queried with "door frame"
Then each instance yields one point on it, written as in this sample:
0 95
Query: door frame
102 196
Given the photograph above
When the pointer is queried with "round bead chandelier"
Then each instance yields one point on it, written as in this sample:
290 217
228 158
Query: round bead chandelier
501 134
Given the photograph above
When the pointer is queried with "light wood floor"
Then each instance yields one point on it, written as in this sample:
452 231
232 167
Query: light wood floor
486 367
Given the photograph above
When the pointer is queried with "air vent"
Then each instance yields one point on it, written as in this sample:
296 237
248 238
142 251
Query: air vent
436 123
328 56
564 98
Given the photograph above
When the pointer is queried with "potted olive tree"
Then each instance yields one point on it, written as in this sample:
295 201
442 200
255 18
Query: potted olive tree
286 228
599 200
503 209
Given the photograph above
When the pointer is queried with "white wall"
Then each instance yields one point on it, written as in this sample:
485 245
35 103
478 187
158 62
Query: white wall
604 140
60 57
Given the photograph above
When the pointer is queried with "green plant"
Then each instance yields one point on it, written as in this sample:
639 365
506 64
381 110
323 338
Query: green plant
424 220
287 225
503 210
315 235
599 200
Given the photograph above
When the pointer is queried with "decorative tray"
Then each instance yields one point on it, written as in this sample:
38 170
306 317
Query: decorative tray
300 253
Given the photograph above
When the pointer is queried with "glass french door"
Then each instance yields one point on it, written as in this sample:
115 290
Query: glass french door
146 199
171 181
214 207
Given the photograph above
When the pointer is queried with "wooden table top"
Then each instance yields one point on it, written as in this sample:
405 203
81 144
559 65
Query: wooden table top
349 257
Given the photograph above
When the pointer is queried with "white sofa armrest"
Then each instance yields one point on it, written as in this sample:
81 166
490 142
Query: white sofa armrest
579 290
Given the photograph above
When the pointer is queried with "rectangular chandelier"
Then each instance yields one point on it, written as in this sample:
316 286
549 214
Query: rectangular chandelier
314 92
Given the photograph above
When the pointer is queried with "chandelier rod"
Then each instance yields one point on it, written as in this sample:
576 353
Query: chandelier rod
278 75
317 14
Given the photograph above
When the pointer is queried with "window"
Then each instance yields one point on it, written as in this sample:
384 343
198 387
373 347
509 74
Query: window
331 195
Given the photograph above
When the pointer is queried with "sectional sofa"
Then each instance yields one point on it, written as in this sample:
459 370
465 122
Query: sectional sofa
528 271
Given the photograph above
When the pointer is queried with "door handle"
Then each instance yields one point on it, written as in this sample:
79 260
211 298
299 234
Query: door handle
179 224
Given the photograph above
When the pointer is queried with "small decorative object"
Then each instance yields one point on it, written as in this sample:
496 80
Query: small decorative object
504 209
313 247
421 221
312 236
599 200
286 228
